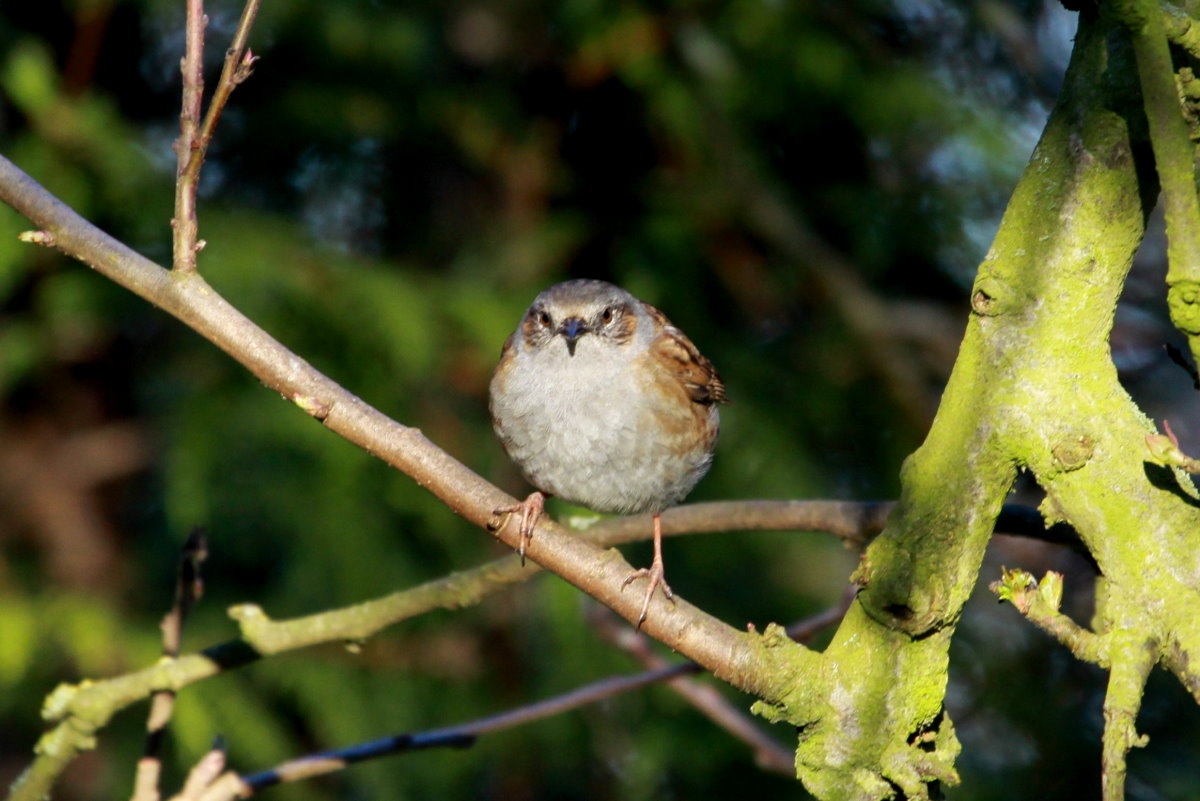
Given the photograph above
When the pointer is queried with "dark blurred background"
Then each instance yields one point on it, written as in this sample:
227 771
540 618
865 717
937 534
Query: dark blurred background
805 187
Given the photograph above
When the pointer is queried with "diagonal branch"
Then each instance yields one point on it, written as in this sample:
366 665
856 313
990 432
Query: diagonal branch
1039 603
760 664
239 63
229 786
770 754
856 523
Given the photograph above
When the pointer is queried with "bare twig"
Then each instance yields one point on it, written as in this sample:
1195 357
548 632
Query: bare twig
207 780
460 736
188 588
187 146
239 63
192 145
768 754
855 522
771 755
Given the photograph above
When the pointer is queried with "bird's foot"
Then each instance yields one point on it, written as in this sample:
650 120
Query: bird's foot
654 580
529 510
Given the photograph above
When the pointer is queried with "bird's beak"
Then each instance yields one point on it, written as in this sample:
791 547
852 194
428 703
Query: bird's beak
572 329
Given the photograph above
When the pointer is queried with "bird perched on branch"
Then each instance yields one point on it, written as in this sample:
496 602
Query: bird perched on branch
600 401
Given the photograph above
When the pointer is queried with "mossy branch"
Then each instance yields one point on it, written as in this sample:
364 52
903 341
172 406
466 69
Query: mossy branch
1132 657
1181 28
1039 602
1126 653
1174 158
856 523
1034 387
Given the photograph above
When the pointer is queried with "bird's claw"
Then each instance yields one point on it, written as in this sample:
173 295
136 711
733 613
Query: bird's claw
655 580
529 510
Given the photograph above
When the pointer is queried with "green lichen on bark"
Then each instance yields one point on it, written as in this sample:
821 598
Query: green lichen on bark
1034 388
881 723
1174 157
1183 301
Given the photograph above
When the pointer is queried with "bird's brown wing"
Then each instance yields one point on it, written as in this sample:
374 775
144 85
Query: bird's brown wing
685 363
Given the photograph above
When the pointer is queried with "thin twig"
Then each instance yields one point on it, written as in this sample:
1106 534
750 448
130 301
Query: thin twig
187 151
771 755
188 588
855 522
207 778
192 145
1039 603
239 63
768 754
460 736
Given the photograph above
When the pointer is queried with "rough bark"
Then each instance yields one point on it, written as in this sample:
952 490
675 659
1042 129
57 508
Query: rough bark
1034 388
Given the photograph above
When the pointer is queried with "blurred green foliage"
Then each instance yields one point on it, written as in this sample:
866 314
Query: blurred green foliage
385 196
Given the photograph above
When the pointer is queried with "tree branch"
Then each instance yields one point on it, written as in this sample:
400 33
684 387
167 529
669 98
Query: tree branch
1132 657
239 64
768 753
1181 29
1039 604
460 736
188 589
1174 159
192 145
188 151
855 522
762 665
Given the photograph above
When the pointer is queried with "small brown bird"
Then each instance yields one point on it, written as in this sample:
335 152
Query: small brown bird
599 400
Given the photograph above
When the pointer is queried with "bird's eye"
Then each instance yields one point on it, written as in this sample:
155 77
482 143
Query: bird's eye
607 315
544 319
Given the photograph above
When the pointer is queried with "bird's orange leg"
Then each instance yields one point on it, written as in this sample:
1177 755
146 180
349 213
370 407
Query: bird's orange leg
653 574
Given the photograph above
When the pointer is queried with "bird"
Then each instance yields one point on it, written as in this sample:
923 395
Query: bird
599 400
